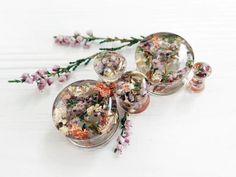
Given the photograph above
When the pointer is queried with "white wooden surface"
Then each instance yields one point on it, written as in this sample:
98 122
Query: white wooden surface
192 135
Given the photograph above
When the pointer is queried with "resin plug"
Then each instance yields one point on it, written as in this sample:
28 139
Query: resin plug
201 71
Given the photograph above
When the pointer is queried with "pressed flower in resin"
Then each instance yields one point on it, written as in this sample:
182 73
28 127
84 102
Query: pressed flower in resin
109 65
165 59
132 92
201 71
86 113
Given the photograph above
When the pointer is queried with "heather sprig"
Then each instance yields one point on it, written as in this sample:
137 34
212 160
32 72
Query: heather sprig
85 40
124 138
44 77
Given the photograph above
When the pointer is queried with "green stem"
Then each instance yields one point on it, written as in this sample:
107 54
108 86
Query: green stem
15 81
68 69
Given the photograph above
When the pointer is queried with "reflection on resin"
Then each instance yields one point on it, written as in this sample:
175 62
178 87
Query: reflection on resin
132 92
109 65
165 59
86 113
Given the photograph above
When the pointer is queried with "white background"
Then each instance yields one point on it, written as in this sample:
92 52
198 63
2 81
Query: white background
181 135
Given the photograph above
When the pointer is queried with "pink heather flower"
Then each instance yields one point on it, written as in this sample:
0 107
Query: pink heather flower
41 72
29 80
105 61
72 41
79 39
126 133
66 40
62 78
157 63
119 148
127 140
41 84
75 44
128 123
55 68
67 75
25 76
35 77
76 41
127 128
49 81
170 79
120 140
59 39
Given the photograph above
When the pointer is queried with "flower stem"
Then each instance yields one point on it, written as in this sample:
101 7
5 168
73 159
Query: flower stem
76 39
129 43
62 70
123 139
15 81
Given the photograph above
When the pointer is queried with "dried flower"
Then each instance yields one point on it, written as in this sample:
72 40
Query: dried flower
119 148
76 132
127 140
63 73
41 84
120 140
103 120
103 89
76 39
49 81
26 78
62 78
124 138
55 68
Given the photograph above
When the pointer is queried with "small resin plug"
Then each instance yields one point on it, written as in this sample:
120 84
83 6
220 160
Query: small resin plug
201 71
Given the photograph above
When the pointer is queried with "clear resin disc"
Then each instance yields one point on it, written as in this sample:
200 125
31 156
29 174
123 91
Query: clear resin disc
86 113
165 59
109 65
132 92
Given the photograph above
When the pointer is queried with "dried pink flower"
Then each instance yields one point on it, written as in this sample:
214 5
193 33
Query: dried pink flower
55 68
127 140
50 81
24 76
41 72
119 148
124 138
62 78
120 140
128 123
41 84
126 133
67 75
29 80
35 77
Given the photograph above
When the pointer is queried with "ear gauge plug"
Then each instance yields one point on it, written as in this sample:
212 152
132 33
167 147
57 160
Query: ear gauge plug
201 71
